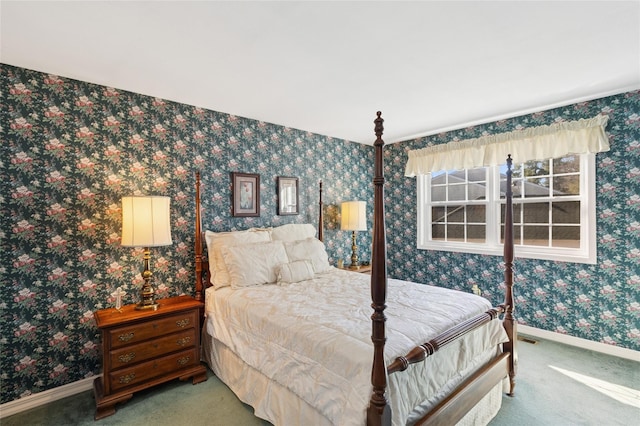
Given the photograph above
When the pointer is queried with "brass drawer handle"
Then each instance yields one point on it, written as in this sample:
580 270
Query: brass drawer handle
126 379
125 337
183 341
183 323
184 360
127 357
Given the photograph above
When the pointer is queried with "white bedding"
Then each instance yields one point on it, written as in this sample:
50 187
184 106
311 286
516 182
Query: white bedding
314 339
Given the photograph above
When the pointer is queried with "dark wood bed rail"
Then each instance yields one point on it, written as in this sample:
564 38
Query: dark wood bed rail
420 353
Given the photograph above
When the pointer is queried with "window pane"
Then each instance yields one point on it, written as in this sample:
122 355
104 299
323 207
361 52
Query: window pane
536 235
456 176
476 214
536 187
455 214
566 212
568 164
477 175
457 192
477 191
536 212
536 168
437 232
566 185
438 214
455 233
438 193
476 233
566 236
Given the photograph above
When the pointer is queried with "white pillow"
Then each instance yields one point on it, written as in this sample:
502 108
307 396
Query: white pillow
293 232
311 249
294 272
217 240
254 264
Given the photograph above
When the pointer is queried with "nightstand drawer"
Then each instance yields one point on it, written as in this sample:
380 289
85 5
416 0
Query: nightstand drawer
151 369
152 349
137 333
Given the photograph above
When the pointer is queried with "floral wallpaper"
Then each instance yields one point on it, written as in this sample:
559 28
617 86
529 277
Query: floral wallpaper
70 150
597 302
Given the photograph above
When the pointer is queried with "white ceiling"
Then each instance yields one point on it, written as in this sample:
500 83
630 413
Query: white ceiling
327 67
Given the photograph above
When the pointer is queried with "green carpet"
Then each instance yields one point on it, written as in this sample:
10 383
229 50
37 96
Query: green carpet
556 385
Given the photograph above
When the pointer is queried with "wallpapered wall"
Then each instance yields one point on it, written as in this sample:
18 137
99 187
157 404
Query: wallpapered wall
70 151
597 302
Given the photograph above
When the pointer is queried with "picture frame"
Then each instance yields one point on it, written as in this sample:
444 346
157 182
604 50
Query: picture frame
288 198
245 194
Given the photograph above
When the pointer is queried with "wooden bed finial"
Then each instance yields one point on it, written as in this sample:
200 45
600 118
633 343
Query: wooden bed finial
379 411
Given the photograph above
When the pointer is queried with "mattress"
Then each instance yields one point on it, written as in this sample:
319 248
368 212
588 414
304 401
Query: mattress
312 341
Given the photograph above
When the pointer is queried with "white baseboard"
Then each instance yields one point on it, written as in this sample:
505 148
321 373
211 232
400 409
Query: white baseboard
37 399
580 343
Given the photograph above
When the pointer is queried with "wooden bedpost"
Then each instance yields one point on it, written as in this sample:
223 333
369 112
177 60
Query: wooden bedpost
198 243
321 217
379 411
509 322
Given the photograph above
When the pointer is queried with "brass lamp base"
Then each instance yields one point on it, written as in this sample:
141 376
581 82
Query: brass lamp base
146 296
355 264
151 307
147 292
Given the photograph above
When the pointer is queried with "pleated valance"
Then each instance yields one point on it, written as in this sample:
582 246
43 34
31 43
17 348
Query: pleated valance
534 143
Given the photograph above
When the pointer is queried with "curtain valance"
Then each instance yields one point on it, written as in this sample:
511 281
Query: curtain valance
534 143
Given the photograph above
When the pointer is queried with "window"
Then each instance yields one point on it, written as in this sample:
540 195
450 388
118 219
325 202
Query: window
553 209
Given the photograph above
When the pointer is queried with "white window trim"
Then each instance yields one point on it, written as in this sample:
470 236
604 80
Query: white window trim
587 253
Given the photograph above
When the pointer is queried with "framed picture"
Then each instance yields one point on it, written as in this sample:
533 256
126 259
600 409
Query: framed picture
245 193
287 195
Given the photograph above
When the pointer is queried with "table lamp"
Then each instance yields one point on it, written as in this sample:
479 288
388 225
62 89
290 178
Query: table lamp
146 223
354 218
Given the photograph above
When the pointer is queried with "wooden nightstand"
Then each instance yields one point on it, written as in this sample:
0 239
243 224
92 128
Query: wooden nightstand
364 269
141 349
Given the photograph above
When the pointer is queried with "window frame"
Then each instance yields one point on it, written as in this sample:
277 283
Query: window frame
586 253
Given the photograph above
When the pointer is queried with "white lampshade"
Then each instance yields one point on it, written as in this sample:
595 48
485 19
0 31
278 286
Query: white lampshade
354 216
146 221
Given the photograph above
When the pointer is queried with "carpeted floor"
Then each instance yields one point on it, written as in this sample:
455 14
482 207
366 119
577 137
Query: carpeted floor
556 385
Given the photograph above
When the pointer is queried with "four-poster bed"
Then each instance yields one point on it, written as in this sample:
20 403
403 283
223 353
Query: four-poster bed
263 340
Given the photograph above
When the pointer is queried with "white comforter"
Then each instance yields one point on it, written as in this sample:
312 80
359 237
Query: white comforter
314 337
